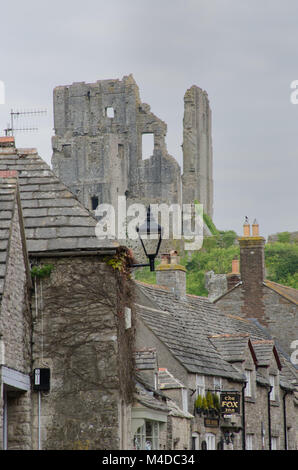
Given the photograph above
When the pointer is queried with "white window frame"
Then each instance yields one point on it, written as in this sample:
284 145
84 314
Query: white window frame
142 438
217 385
249 442
200 384
184 399
273 392
210 441
248 388
274 443
196 440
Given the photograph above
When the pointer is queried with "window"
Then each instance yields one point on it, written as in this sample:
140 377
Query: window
66 149
184 399
210 441
248 390
217 384
200 379
94 203
110 113
195 441
273 393
120 151
274 443
249 442
147 436
147 145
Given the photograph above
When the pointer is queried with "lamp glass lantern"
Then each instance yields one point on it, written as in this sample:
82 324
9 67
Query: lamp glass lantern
150 235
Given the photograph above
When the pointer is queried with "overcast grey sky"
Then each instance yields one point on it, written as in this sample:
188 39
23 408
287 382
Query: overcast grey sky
244 54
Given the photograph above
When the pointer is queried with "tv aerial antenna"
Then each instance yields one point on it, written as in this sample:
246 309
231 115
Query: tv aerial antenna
15 115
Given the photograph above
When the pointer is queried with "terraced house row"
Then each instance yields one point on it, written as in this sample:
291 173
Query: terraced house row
91 359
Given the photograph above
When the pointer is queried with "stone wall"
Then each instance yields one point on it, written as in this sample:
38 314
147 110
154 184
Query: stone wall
280 314
197 179
77 335
15 319
98 155
15 330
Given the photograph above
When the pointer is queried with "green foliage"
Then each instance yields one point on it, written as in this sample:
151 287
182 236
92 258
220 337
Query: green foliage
209 399
42 271
204 403
217 253
145 275
199 401
210 257
216 401
208 221
282 263
284 237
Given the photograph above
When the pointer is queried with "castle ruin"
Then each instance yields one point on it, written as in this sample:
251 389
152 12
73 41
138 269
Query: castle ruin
97 146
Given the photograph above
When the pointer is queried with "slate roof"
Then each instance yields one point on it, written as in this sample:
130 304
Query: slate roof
53 217
189 329
147 396
177 326
288 292
264 350
233 347
167 381
145 359
8 188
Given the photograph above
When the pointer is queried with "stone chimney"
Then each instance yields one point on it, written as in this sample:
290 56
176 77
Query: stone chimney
234 278
7 142
172 274
252 269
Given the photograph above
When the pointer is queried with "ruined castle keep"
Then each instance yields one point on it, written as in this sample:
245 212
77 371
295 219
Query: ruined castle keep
97 147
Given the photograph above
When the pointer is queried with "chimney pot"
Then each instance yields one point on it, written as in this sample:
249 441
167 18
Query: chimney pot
246 228
255 229
235 266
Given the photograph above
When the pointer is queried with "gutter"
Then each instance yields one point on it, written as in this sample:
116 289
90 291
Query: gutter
269 417
243 418
285 419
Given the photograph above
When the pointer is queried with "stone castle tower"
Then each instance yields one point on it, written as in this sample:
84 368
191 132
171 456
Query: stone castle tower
197 179
97 147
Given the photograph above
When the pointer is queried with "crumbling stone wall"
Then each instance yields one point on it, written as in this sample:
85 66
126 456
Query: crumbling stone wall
77 335
197 179
98 155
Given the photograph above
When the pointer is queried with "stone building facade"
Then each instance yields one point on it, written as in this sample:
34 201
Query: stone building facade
201 351
249 294
62 306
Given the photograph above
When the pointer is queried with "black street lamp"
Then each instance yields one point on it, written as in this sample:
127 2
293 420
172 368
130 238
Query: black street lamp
145 231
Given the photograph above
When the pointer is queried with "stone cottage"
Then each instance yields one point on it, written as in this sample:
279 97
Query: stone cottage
66 350
203 353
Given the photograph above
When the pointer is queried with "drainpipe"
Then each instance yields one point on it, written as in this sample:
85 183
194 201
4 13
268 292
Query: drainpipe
243 419
285 419
269 418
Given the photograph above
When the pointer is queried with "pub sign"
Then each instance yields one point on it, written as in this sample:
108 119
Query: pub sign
229 403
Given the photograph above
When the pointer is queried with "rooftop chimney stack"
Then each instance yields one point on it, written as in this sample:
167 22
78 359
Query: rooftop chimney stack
252 268
172 274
